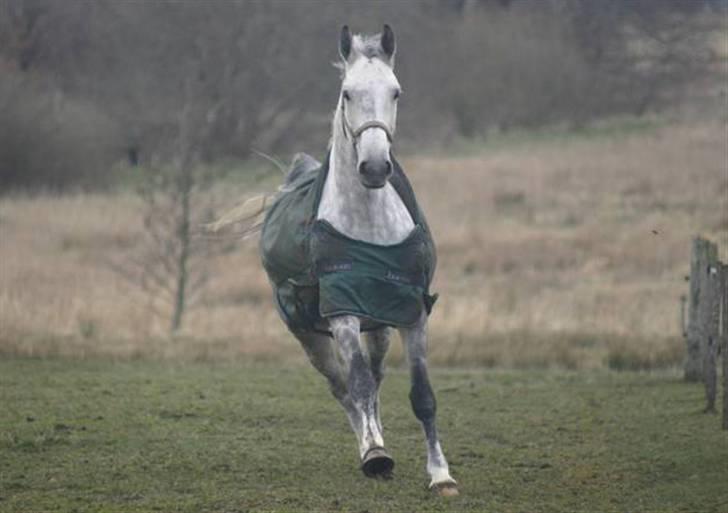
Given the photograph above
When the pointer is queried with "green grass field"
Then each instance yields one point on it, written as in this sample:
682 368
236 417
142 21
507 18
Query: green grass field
102 436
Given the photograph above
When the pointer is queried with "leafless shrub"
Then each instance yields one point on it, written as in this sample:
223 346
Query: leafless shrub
468 66
50 142
639 55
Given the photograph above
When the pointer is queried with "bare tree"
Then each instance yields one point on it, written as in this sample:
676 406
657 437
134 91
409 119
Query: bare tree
171 261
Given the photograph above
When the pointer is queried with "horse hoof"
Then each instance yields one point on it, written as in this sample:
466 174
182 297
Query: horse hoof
377 463
446 489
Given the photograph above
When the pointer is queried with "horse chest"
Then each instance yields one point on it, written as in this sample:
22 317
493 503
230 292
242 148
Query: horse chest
377 217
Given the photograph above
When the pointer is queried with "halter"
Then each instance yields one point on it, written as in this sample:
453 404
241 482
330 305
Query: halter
356 133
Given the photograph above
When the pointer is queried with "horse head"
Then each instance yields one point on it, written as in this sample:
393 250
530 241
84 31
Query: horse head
368 101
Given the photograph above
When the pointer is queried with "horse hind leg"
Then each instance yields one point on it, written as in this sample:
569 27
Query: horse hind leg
322 355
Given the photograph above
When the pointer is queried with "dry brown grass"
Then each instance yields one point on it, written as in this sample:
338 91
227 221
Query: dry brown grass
567 253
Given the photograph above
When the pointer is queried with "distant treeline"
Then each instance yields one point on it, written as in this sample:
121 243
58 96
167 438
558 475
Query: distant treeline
85 85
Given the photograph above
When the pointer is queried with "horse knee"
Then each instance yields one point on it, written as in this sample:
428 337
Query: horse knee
346 332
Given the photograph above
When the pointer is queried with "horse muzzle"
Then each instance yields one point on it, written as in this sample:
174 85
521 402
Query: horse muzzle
374 174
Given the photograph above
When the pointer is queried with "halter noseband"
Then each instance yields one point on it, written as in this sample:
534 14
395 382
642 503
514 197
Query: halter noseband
356 133
370 124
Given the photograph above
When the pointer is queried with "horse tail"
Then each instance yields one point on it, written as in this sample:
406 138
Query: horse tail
251 213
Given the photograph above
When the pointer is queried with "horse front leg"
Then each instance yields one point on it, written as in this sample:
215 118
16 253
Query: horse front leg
377 346
362 388
425 406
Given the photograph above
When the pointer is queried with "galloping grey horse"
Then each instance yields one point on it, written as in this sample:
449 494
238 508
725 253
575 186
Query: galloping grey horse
350 257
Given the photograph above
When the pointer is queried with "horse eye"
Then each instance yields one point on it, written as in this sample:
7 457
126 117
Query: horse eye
346 96
397 93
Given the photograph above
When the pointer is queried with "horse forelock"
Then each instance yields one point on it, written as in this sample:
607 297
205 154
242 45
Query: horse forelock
369 46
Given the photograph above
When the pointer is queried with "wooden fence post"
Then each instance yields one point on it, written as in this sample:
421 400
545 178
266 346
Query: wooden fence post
711 334
704 256
724 334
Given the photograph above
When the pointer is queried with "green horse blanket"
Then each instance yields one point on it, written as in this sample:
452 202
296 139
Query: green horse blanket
317 272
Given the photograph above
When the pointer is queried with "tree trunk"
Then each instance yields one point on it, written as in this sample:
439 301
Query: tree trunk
183 236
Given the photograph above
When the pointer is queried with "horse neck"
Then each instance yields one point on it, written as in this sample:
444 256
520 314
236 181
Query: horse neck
378 216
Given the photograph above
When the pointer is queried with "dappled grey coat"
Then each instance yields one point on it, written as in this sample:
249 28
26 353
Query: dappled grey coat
317 272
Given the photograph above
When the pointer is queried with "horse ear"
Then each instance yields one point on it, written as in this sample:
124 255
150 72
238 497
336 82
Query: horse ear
345 43
388 44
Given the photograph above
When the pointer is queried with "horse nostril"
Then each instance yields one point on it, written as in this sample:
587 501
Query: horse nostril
388 167
364 167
